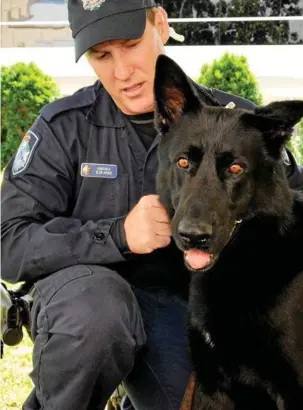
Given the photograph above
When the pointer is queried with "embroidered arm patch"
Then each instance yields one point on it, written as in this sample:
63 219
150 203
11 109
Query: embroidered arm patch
25 152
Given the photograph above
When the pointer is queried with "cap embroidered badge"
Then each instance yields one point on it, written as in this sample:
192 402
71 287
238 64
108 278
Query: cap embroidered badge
92 4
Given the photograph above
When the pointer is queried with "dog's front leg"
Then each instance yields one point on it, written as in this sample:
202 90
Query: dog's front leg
207 395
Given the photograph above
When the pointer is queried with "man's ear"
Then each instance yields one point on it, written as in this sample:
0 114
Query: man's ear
161 23
275 121
174 94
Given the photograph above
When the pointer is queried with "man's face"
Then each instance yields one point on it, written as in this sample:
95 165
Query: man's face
126 68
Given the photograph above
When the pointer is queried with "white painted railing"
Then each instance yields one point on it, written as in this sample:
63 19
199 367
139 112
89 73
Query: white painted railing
64 23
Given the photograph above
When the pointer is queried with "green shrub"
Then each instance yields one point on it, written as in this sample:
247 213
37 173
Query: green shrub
231 74
25 89
300 141
296 143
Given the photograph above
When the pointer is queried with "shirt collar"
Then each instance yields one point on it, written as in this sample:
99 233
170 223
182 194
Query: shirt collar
103 111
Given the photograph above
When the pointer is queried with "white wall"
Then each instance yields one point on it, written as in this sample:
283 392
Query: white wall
279 69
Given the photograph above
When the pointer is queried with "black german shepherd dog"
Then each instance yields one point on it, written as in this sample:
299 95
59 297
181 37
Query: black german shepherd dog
222 181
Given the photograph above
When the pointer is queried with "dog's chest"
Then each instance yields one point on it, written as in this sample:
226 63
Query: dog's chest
239 329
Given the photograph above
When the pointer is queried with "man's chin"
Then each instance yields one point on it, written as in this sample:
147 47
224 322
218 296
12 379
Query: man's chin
137 106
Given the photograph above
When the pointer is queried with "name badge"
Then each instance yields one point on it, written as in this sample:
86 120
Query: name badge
98 170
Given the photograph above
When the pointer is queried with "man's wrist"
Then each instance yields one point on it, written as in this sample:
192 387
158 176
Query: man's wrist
119 236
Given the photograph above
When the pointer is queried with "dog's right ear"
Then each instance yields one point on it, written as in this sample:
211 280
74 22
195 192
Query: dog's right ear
174 94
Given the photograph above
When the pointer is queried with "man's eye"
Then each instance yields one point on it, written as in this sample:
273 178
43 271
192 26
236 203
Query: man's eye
235 169
102 56
131 45
183 163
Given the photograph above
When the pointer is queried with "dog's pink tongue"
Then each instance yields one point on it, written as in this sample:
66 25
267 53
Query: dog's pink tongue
197 259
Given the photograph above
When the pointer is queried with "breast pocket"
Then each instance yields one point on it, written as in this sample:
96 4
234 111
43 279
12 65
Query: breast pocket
118 196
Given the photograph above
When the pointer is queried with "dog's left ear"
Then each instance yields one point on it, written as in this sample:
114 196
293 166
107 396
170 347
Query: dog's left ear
276 121
174 94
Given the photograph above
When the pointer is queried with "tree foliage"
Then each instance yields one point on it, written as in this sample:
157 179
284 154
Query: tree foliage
232 33
231 74
296 143
25 89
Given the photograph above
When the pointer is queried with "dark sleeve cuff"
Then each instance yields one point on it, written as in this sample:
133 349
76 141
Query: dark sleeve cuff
119 237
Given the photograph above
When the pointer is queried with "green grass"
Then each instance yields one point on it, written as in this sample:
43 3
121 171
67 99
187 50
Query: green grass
16 364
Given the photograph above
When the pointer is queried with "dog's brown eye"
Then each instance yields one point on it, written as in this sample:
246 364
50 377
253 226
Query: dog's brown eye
235 169
183 163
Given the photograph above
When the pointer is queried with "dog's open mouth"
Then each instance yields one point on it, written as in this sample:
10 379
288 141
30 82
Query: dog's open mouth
198 260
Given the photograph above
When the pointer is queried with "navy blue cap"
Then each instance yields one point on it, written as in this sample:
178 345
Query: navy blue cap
95 21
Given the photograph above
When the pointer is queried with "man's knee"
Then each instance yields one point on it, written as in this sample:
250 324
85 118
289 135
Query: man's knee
92 303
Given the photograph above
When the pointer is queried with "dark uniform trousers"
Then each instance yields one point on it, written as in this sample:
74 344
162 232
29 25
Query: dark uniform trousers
92 331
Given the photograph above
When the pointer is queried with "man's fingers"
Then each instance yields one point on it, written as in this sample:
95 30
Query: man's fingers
147 226
163 241
162 229
152 200
159 215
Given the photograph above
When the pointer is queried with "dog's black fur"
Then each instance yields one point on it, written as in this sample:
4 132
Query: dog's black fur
246 305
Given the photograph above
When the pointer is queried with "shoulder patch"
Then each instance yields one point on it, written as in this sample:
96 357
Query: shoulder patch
25 152
80 99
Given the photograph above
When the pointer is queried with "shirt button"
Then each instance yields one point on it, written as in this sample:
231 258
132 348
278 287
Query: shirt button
99 236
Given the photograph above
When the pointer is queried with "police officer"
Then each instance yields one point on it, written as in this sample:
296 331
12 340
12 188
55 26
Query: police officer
80 220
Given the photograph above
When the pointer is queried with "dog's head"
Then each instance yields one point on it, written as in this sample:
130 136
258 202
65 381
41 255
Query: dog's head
217 165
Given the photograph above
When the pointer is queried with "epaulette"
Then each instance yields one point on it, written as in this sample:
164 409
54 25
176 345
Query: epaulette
81 98
225 98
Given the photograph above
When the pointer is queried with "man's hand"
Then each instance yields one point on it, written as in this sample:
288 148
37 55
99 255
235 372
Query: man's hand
147 226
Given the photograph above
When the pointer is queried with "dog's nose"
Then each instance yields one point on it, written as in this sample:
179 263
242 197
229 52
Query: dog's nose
194 233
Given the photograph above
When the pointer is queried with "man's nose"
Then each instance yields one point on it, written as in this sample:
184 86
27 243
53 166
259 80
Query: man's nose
123 70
